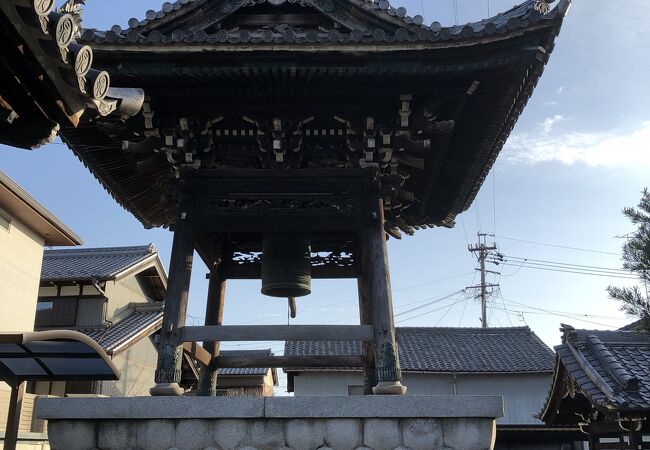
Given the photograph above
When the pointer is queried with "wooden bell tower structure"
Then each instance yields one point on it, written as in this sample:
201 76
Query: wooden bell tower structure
354 238
321 126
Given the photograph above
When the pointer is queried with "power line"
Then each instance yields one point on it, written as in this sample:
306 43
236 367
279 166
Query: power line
447 312
429 303
609 269
556 311
577 272
429 312
557 246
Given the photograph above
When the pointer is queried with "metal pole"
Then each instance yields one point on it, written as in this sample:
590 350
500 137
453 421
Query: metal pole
13 416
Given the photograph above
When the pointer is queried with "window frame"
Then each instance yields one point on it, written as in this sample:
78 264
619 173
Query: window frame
53 300
5 216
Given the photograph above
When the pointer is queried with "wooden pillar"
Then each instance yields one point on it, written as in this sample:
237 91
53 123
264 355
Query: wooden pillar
213 316
367 348
13 416
377 287
170 353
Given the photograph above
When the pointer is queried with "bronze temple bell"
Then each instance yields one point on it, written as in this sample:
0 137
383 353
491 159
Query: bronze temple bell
286 265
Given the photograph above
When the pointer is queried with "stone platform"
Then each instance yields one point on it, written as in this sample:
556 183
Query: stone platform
274 423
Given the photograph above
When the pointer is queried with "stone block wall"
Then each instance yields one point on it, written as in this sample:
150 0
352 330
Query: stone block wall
348 423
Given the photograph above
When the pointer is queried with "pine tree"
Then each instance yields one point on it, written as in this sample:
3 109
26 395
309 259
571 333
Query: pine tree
636 258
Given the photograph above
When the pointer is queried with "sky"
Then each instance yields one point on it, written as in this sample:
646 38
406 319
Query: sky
578 155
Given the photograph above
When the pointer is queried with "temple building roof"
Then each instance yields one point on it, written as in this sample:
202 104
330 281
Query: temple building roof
221 75
354 21
47 79
599 374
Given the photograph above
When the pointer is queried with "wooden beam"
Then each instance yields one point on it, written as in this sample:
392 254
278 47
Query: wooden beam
197 352
377 288
168 369
214 316
280 220
367 348
277 333
289 361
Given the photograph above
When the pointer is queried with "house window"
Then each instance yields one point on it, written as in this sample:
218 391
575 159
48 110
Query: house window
5 221
56 312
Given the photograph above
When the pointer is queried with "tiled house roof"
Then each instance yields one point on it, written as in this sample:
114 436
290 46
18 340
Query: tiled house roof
87 263
437 350
610 369
244 372
137 325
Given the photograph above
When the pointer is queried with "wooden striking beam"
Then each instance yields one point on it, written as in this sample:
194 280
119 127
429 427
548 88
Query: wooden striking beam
277 333
289 361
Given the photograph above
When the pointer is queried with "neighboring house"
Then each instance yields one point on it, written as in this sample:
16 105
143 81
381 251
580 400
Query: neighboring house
601 383
241 382
25 228
115 296
512 362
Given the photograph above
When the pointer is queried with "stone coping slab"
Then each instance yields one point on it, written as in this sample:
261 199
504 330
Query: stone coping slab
270 407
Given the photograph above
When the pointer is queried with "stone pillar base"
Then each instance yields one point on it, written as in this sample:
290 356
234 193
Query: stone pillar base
389 388
279 423
166 390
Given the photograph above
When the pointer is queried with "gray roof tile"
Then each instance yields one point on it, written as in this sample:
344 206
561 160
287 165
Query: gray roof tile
620 361
87 263
135 326
520 16
491 350
245 372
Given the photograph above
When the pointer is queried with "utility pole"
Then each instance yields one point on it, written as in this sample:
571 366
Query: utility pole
483 250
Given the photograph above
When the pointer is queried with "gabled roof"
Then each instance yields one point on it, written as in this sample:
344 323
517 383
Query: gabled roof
610 369
362 21
106 263
17 202
460 350
142 322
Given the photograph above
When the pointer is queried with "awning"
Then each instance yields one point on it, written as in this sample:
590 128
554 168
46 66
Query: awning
57 355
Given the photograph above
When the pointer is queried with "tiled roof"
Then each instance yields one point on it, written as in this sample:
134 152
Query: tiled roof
412 30
490 350
244 372
87 263
610 368
135 326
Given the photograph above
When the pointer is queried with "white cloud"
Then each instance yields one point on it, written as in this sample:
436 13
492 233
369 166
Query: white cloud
559 90
613 149
548 123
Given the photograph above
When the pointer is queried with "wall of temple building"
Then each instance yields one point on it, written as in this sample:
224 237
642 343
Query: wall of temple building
21 256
